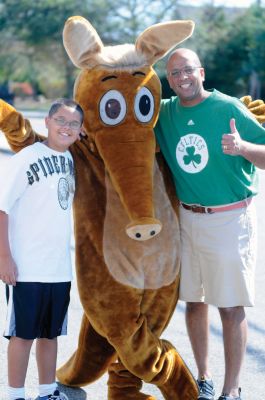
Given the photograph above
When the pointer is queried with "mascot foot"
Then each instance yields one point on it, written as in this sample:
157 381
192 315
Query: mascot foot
91 359
128 394
122 385
181 385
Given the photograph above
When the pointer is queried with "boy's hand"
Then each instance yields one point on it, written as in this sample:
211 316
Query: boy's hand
8 270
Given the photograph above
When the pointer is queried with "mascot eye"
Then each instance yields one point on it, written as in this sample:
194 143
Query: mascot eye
112 107
144 105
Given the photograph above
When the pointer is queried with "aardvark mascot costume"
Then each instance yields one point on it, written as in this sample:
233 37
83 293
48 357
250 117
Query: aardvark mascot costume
126 225
125 214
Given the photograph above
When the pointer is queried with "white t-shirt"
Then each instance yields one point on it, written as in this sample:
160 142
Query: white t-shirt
37 188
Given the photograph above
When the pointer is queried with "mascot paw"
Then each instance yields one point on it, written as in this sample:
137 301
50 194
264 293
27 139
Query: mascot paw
256 107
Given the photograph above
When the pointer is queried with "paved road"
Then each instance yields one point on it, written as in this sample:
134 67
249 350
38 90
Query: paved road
253 375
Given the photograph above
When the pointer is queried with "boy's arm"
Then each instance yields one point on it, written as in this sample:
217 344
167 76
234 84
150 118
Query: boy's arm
8 269
18 130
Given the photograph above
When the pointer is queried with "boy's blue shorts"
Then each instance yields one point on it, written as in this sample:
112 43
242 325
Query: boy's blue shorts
37 310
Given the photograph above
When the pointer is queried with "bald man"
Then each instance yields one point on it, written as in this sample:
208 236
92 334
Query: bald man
213 145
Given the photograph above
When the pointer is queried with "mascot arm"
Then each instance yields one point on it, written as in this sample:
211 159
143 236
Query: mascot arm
256 107
18 131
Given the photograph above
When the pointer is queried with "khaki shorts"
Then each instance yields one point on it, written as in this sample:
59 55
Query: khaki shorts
218 257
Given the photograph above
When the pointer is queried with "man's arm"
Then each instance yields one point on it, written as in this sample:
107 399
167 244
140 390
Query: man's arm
255 153
8 269
233 145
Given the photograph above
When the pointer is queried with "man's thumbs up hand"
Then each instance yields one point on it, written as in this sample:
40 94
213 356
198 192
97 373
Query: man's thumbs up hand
233 125
231 142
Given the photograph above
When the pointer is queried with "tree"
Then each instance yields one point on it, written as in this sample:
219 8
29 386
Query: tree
130 17
238 62
211 25
229 43
36 28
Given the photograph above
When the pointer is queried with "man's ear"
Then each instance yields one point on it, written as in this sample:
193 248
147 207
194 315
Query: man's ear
202 72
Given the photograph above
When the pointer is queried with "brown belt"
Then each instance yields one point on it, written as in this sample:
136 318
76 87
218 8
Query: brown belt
210 210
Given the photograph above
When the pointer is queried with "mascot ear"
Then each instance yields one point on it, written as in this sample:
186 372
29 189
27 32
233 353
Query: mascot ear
256 107
157 40
81 42
85 47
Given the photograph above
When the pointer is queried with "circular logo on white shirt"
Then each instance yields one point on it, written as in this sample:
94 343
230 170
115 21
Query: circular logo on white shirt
192 153
63 193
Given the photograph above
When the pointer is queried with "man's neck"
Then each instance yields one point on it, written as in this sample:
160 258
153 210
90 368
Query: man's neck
197 100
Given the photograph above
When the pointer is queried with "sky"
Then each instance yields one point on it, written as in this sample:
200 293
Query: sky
225 3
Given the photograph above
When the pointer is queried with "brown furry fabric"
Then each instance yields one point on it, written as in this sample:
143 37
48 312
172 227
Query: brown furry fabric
128 287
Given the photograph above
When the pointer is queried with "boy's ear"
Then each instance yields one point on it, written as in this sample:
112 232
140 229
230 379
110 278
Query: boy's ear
46 122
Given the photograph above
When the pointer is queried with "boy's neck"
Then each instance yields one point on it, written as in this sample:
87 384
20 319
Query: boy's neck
46 143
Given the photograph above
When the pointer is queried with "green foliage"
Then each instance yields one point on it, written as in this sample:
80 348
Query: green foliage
230 45
167 92
38 21
36 27
240 52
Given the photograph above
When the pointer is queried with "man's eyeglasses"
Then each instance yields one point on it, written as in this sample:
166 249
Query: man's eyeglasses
72 124
187 71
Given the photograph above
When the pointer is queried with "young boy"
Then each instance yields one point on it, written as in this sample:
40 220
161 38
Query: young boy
37 189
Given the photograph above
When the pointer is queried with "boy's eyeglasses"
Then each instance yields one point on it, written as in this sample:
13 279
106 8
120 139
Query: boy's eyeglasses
72 124
187 71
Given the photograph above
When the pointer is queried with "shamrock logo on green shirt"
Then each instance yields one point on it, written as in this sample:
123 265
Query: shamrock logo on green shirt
191 157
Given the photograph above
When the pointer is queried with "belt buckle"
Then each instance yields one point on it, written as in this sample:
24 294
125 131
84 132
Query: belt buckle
199 209
196 209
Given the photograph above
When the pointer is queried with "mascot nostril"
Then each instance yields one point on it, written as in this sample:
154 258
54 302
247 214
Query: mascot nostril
143 232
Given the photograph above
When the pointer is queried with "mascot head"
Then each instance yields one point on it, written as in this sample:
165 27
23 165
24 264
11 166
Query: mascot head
120 92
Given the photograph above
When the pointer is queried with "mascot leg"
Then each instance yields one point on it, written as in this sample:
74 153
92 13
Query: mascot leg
122 385
181 385
91 359
143 353
167 371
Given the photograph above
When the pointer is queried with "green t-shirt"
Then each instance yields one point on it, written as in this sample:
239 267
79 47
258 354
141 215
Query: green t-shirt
190 140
